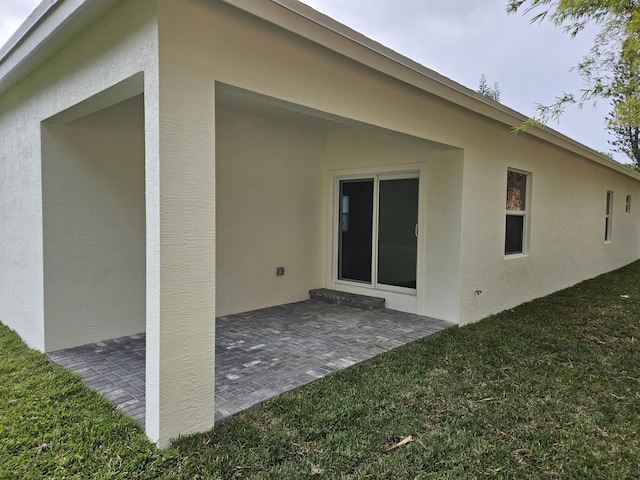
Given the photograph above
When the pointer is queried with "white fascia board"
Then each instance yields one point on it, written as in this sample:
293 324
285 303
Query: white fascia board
51 25
303 20
26 26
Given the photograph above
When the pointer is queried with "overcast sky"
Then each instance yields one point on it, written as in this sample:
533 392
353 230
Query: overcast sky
12 14
461 39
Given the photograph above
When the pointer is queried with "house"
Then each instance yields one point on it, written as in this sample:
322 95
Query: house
161 159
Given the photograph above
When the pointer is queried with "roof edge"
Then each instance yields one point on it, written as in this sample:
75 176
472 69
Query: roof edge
49 27
416 74
26 27
51 24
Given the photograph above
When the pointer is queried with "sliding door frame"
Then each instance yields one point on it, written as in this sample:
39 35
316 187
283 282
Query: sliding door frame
397 298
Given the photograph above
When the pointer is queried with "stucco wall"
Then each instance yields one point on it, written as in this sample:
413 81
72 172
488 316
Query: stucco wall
270 211
271 61
298 71
466 189
183 52
94 226
119 45
357 150
273 193
567 245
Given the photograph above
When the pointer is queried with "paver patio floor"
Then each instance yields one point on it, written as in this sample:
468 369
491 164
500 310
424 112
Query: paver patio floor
259 354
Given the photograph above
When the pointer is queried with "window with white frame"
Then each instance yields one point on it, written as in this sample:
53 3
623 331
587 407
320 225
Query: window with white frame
517 218
608 217
627 207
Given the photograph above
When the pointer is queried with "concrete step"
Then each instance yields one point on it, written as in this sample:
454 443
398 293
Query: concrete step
353 300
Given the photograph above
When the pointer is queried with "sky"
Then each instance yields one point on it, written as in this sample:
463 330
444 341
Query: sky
12 14
462 40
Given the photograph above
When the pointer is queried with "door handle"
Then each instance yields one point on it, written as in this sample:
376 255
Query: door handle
416 230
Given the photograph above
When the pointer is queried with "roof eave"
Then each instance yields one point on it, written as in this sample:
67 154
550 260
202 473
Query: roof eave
330 33
54 22
51 25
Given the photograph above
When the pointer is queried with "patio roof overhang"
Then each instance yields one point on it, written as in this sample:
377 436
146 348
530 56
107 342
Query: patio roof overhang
309 23
55 22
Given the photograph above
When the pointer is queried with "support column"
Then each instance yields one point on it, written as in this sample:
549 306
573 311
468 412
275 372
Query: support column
180 383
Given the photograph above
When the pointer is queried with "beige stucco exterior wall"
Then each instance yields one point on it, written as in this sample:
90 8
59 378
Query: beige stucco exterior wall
270 61
182 387
113 60
465 198
94 226
178 53
358 150
567 245
273 200
270 211
94 61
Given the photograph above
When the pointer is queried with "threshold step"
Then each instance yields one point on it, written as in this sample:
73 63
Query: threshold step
334 297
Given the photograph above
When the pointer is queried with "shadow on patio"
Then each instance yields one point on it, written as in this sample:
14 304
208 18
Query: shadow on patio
259 354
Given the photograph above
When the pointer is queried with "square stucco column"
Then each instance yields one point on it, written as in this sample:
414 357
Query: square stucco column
180 381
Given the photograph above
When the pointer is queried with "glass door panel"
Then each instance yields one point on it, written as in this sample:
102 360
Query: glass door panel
397 232
355 241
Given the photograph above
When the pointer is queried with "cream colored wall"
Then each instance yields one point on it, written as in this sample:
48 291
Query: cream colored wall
180 389
567 244
274 62
266 60
352 150
272 197
271 61
94 226
94 61
111 61
269 211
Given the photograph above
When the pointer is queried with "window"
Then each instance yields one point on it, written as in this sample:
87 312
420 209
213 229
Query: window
517 205
608 217
627 207
516 230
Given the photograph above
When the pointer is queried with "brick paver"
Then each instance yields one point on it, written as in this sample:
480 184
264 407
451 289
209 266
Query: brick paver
259 354
114 368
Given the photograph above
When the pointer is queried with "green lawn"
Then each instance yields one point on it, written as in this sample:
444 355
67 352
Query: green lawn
550 389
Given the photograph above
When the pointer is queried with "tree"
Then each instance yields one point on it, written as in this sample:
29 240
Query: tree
492 92
627 136
617 43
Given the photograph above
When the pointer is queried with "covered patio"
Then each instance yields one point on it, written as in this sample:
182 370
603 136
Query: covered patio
259 354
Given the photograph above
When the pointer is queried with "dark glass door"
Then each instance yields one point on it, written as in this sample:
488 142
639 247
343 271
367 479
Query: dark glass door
355 242
377 233
397 232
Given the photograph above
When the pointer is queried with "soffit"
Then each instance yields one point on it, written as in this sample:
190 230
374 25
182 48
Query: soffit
303 20
55 22
235 98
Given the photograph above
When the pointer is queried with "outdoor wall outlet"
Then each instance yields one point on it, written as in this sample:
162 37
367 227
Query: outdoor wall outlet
279 271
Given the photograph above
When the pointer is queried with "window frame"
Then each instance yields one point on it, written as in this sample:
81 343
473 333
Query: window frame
525 214
608 218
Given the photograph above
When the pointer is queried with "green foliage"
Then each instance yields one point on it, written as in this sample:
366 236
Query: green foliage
546 390
617 44
488 91
627 135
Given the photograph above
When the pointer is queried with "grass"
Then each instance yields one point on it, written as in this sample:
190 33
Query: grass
550 389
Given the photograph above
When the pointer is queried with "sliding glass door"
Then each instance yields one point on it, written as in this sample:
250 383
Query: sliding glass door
377 232
356 230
